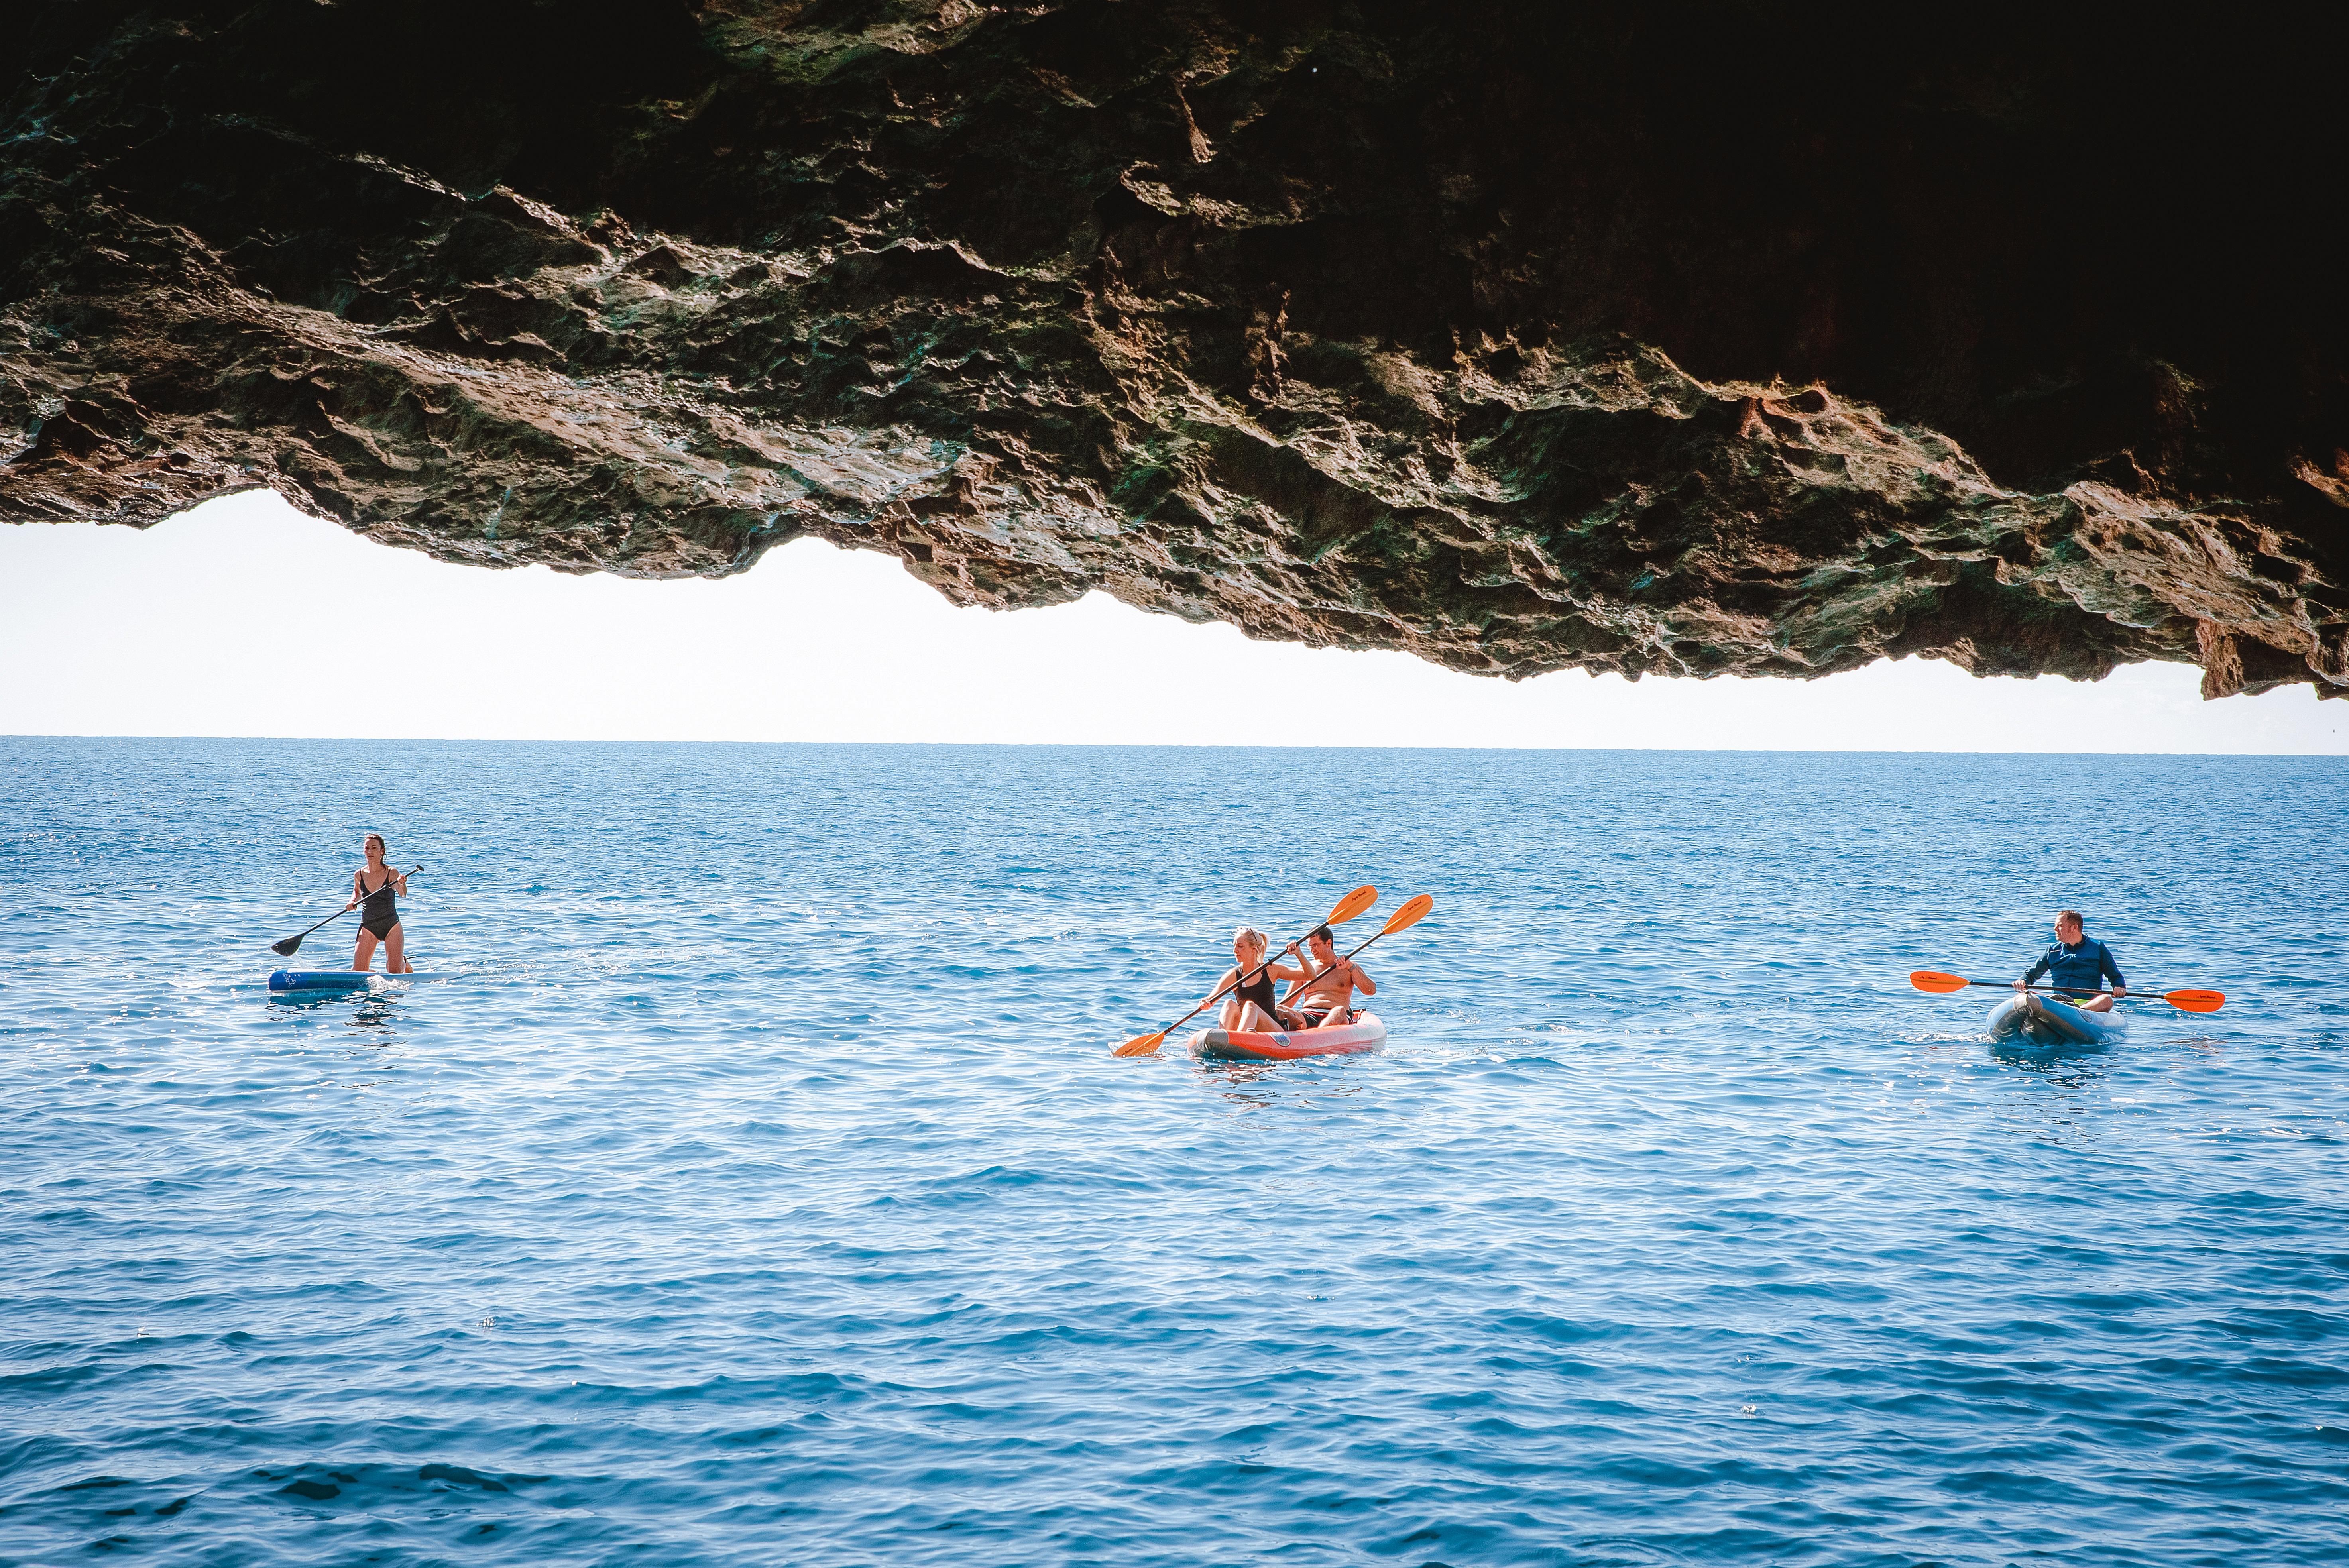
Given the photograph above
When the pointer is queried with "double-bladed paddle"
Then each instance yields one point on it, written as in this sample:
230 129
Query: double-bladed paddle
292 945
1344 910
1934 981
1409 912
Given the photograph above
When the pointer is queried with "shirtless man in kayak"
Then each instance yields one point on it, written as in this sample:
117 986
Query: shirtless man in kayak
2077 965
1326 999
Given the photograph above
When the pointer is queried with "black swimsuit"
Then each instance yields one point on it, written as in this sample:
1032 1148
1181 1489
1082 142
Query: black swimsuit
377 915
1260 993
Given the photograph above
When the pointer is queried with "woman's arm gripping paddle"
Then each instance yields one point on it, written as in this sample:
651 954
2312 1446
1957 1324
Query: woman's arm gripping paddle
1344 910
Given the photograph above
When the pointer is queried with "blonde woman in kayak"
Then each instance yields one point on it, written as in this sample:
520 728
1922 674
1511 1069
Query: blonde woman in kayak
1248 1007
375 884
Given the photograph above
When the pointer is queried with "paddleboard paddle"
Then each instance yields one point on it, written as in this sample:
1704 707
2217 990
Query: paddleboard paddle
1344 910
2189 1001
292 945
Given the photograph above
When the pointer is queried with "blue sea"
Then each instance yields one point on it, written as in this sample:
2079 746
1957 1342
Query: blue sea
761 1189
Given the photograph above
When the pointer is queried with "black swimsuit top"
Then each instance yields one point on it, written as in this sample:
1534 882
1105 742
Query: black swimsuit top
378 903
1261 992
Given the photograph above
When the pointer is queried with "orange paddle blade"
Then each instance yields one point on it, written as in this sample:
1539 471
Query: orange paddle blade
2196 1000
1353 904
1933 980
1409 914
1140 1045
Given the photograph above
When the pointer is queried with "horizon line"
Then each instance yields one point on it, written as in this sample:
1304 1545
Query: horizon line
1159 745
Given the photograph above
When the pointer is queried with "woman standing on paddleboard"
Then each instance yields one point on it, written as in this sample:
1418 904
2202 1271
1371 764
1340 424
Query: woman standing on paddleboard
375 885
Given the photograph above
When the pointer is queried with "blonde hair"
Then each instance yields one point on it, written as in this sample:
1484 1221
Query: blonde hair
1252 936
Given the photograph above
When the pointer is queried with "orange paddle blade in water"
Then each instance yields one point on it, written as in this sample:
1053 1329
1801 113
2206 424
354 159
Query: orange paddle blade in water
1140 1045
1933 980
2196 1000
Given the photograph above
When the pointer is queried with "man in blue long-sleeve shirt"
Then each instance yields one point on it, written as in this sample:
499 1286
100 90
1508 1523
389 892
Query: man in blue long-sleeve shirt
2075 964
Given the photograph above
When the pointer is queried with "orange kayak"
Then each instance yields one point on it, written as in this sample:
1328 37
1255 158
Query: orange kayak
1366 1033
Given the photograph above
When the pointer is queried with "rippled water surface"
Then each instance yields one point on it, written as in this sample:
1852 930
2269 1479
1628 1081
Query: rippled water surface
763 1190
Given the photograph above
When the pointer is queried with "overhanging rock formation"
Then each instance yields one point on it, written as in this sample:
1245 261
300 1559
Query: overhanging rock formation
1682 339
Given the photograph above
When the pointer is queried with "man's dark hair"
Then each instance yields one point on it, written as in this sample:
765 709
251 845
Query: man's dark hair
2072 915
1325 934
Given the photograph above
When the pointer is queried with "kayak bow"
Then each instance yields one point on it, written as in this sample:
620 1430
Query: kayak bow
2048 1022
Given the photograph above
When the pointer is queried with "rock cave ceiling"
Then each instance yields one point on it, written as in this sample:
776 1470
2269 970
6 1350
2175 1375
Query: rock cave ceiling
1663 338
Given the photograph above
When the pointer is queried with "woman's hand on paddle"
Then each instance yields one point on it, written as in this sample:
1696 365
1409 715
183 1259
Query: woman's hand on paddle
1222 988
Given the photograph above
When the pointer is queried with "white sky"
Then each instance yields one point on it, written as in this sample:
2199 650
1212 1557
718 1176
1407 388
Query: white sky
245 617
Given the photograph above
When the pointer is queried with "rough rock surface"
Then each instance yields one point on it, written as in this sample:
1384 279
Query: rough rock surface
1656 338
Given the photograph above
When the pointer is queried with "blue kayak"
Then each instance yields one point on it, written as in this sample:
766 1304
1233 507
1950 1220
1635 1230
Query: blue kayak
341 979
2052 1021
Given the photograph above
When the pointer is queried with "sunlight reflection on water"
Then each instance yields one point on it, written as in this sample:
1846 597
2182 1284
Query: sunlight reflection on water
762 1187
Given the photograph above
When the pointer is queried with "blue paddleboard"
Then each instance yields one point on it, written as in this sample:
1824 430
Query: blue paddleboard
341 979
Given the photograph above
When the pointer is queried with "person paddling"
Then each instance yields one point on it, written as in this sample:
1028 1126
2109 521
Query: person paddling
1325 999
376 884
1248 1006
2077 964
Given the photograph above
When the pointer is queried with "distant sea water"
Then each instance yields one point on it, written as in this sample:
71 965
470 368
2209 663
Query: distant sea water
763 1190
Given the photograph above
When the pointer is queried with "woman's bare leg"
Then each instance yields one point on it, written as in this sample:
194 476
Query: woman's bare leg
395 960
1228 1018
364 954
1253 1020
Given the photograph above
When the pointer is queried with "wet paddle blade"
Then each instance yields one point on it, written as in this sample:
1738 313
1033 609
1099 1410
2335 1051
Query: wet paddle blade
1140 1045
288 948
1409 915
2196 1000
1353 904
1933 980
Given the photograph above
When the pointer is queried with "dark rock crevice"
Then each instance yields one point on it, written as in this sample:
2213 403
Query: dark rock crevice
1661 338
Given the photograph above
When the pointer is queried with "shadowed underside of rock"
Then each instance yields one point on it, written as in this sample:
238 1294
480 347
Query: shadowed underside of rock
1662 339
